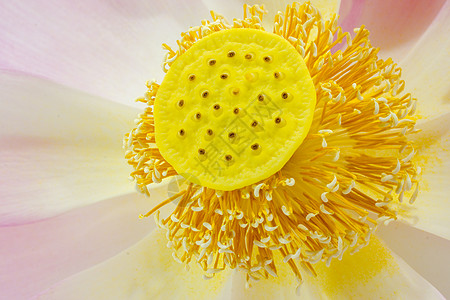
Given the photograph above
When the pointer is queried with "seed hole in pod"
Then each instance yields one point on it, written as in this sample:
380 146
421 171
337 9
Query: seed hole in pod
205 94
236 110
201 151
251 76
216 106
277 120
261 97
231 54
212 62
181 132
224 76
284 95
267 58
198 116
191 77
255 146
209 132
228 157
181 103
231 135
254 123
248 56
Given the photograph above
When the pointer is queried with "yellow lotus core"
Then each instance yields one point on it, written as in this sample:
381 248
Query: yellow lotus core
233 109
291 144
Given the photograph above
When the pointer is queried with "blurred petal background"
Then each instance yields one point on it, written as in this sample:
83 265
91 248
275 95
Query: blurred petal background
68 74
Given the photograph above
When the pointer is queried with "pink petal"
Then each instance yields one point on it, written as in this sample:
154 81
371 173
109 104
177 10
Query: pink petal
426 68
145 271
395 26
35 256
59 149
107 48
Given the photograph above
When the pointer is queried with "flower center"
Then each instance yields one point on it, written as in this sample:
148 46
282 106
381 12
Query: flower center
309 199
233 109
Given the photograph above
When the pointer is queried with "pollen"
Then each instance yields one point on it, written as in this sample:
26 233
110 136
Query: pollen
328 161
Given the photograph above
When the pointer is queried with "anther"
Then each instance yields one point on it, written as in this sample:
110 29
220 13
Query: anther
209 132
181 132
235 91
236 111
255 146
284 95
261 97
216 106
201 151
228 157
254 123
212 62
198 116
205 94
231 54
248 56
231 135
181 103
267 58
276 75
191 77
224 76
278 120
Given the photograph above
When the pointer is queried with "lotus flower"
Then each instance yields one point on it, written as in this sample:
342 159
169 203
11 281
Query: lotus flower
69 219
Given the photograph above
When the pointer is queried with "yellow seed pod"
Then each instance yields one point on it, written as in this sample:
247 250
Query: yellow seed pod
233 108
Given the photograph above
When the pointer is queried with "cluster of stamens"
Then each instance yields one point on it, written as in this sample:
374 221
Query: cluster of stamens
350 174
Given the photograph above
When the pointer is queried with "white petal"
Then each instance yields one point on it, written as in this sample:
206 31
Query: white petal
372 273
37 255
430 211
389 22
145 271
59 149
426 69
107 48
424 252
